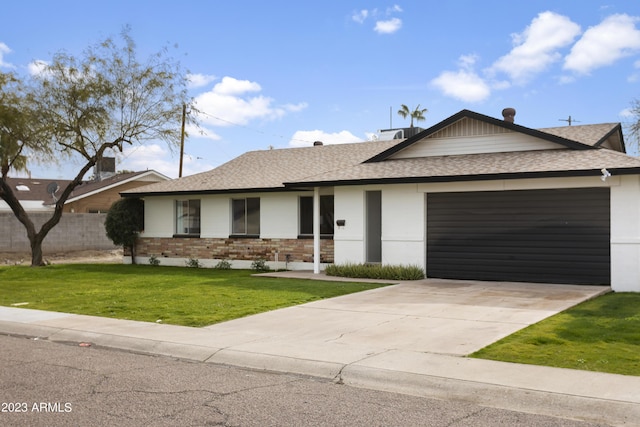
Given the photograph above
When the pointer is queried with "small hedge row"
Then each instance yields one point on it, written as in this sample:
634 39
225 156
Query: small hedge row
376 271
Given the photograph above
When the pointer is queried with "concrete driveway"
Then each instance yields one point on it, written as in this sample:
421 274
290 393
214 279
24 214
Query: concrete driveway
428 316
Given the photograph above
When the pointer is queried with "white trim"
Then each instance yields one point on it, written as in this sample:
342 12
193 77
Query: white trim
116 184
316 230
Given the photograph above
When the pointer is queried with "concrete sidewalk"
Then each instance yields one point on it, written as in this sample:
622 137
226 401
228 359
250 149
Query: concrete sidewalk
408 338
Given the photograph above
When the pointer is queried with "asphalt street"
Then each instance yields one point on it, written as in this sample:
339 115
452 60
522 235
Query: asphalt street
46 383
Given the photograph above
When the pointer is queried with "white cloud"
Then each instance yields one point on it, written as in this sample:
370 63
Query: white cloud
4 49
389 26
360 16
234 102
231 86
294 108
148 156
200 80
563 80
37 67
634 77
202 132
464 85
537 46
385 24
601 45
467 61
306 138
626 113
157 157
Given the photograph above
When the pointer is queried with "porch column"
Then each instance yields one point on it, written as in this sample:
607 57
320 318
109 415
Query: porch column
316 230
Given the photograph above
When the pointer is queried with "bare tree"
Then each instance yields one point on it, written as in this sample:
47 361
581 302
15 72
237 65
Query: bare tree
83 108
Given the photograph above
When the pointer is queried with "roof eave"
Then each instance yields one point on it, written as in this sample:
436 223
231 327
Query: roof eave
461 178
203 192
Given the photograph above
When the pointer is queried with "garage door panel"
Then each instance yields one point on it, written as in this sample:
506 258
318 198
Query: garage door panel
552 236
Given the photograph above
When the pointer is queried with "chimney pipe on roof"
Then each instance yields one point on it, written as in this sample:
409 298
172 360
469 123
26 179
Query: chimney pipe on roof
509 114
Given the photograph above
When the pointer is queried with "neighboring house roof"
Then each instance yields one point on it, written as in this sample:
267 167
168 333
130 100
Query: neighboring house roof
32 189
566 151
89 188
35 194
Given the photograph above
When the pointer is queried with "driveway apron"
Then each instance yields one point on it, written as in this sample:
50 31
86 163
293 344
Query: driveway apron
429 316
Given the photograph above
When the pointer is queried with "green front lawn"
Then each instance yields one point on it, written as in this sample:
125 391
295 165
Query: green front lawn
175 295
598 335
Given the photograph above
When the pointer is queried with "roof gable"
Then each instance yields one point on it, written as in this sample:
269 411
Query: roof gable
605 135
453 136
472 136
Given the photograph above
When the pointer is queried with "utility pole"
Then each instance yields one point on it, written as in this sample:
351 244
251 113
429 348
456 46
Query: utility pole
184 117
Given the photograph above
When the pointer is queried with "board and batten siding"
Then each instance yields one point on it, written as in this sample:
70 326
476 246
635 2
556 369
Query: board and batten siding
468 136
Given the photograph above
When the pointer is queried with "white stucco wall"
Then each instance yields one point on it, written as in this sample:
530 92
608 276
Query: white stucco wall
159 213
625 235
278 215
403 225
404 220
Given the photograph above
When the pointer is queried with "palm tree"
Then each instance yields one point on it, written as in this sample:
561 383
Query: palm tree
416 114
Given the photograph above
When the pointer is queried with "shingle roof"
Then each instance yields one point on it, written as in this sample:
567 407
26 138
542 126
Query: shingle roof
269 169
92 186
276 170
481 166
586 134
35 189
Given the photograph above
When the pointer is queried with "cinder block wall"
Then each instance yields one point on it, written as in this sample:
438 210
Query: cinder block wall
74 232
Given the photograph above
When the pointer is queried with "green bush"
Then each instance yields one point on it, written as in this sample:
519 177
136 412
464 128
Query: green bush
193 263
153 260
260 265
376 271
223 265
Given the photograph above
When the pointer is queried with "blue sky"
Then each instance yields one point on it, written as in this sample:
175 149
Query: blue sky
286 73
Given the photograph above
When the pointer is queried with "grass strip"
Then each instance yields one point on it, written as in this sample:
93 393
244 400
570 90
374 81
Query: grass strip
601 335
174 295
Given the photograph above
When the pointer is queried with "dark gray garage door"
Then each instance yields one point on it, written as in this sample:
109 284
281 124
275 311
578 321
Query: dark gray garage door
545 236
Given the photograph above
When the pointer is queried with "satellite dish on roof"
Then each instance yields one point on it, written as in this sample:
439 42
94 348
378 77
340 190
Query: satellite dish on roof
52 189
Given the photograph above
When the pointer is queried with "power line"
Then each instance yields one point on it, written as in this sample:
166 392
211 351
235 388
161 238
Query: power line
254 129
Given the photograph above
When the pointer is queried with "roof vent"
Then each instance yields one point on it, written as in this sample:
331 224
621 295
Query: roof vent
509 114
317 143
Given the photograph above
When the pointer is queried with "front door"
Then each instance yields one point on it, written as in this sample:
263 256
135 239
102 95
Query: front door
373 224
